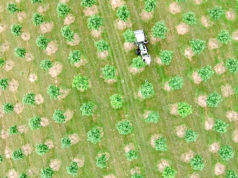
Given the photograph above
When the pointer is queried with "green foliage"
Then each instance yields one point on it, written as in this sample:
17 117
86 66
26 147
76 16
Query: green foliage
1 158
236 90
123 13
72 169
2 62
18 154
197 163
53 91
87 108
80 82
166 56
67 33
184 109
46 64
189 18
74 56
13 130
59 116
232 65
216 12
130 155
152 117
231 174
220 126
20 52
176 83
116 101
12 8
37 19
16 29
159 30
181 0
190 136
197 45
36 1
29 99
138 63
150 5
136 175
95 22
160 144
101 161
109 72
124 127
213 100
224 37
7 107
65 142
169 172
88 3
22 175
42 42
205 73
47 172
147 90
3 83
129 36
34 123
94 135
62 9
42 149
101 45
226 152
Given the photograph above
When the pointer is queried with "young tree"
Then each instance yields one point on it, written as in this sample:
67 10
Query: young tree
216 12
176 83
16 29
42 42
213 100
166 56
231 174
129 36
197 45
88 3
226 152
74 56
220 126
123 13
1 158
42 149
138 63
3 83
147 90
184 109
169 172
197 163
72 169
13 130
20 52
136 175
47 172
190 136
130 155
124 127
23 175
150 5
36 1
101 161
101 45
224 37
35 123
205 73
18 154
67 33
2 62
37 19
65 142
87 108
236 90
59 116
7 107
189 18
29 99
153 117
116 101
160 144
12 8
95 22
159 30
94 135
62 9
109 72
46 64
80 82
53 91
232 65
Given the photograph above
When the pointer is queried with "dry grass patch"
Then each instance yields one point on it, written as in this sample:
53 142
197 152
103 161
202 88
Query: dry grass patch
43 8
103 54
232 116
182 28
201 100
64 93
82 62
3 27
4 134
29 57
219 169
186 157
188 53
18 108
196 78
146 16
96 33
129 46
235 136
76 40
9 64
116 3
194 175
80 162
197 2
109 176
13 85
213 44
227 90
55 164
220 68
180 130
135 71
69 19
174 109
235 35
174 8
46 27
4 47
25 36
32 77
7 153
214 148
167 87
135 170
50 144
69 114
230 15
91 11
209 123
206 22
52 48
44 122
74 139
56 69
12 174
153 138
21 16
27 149
22 129
121 25
162 165
129 147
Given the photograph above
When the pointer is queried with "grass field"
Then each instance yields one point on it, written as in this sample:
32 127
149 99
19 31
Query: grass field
127 85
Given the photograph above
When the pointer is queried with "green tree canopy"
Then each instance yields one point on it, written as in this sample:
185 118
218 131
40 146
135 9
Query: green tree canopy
88 3
236 90
129 36
197 45
74 56
13 130
169 172
2 62
159 30
150 5
231 174
3 83
36 1
226 152
213 100
35 123
138 62
80 82
109 72
101 161
65 142
37 19
20 52
29 99
176 83
197 163
160 144
190 136
101 45
42 149
42 42
184 109
147 90
232 65
166 56
59 116
116 101
124 127
12 8
224 37
7 107
1 158
220 126
87 108
205 73
94 135
62 9
215 13
123 13
72 169
95 22
23 175
152 117
189 18
130 155
16 29
67 33
18 154
136 175
47 172
53 91
46 64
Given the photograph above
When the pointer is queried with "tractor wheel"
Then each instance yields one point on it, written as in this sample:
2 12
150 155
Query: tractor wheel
138 51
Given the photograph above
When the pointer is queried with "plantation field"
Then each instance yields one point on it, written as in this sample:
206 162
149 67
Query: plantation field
182 108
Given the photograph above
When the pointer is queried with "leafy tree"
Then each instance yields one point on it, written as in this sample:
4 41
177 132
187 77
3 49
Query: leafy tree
213 100
65 142
101 45
205 73
220 126
67 33
47 172
87 108
232 65
46 64
166 56
12 8
231 174
42 149
130 155
123 13
94 135
197 45
95 22
189 18
184 109
109 72
124 127
169 172
7 107
1 158
129 36
88 3
13 130
37 19
159 30
224 37
147 90
152 117
22 175
59 116
101 161
136 175
18 154
2 62
53 91
16 29
36 1
216 12
20 52
190 136
197 163
150 5
226 152
42 42
236 90
181 0
116 101
138 62
74 56
35 123
80 82
29 99
72 169
62 9
176 83
3 83
160 144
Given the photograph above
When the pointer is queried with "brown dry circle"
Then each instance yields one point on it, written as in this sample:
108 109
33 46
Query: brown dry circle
91 11
174 8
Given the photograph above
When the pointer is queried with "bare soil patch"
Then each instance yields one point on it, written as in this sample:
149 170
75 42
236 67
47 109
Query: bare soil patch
25 36
146 16
80 162
111 81
174 8
69 19
32 172
167 87
76 40
44 122
7 153
3 27
197 2
27 149
116 3
69 114
235 136
18 108
46 27
1 9
162 165
13 85
82 62
230 15
56 69
32 77
219 169
64 1
135 71
22 128
64 93
202 101
55 164
174 109
227 90
4 134
140 95
129 46
153 138
154 40
213 44
196 78
232 116
188 53
194 175
50 144
9 64
205 21
96 33
235 35
109 176
5 47
39 99
214 148
186 157
91 11
44 8
21 16
103 54
29 57
180 130
146 114
74 139
220 68
129 147
209 123
158 61
12 174
52 48
182 28
121 25
135 170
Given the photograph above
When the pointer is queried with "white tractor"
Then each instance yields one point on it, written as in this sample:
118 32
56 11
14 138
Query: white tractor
141 43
